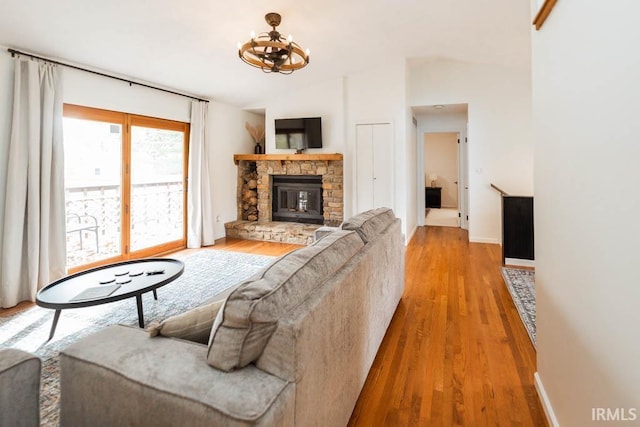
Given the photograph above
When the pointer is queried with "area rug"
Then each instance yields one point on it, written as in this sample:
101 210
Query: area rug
521 285
207 273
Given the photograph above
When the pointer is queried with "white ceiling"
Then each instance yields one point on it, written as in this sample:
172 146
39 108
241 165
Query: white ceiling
191 45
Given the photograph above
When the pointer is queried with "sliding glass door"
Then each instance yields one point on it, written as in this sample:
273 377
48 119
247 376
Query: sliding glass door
157 184
93 190
125 181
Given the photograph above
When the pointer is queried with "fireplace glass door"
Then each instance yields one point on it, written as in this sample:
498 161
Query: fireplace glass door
297 199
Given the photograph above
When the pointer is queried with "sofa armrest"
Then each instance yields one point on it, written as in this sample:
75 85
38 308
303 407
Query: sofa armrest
19 388
323 231
121 376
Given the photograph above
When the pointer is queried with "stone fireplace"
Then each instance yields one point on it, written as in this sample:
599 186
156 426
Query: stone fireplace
284 198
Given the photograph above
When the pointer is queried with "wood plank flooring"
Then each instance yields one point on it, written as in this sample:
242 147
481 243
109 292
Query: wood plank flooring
456 352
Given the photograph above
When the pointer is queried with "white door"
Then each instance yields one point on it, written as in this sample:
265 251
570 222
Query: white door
374 166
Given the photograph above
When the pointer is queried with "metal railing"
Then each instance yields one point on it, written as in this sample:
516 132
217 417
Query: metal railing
157 216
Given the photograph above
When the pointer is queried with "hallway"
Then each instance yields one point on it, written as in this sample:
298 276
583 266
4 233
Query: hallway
456 352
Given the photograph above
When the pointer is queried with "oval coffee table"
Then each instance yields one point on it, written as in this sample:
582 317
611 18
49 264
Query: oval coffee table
109 283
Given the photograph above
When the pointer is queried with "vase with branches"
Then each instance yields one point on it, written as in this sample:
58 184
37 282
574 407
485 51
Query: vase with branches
257 134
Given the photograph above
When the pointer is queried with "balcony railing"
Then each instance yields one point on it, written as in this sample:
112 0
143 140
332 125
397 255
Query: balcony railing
94 217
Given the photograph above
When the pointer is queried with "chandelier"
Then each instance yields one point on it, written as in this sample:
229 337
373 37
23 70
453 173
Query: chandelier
271 52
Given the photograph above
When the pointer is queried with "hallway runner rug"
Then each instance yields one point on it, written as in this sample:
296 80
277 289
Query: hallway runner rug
207 273
521 285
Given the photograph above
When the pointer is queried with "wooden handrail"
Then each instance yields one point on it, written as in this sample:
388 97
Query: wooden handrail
500 190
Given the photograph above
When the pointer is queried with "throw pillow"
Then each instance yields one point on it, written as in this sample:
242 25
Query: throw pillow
193 325
252 311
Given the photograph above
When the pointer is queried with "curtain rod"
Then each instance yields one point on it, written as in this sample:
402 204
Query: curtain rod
14 52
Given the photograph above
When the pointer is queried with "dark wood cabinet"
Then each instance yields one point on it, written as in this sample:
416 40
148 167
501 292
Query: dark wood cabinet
517 228
433 197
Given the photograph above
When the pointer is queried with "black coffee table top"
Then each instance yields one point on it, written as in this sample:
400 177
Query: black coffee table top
131 276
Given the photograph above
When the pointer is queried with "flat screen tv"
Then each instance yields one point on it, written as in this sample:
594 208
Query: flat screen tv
299 134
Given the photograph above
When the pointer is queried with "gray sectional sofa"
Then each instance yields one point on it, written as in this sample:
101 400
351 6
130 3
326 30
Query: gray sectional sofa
19 388
291 346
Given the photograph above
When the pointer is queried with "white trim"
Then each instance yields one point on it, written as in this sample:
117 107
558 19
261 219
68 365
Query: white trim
411 235
520 262
544 400
463 166
491 240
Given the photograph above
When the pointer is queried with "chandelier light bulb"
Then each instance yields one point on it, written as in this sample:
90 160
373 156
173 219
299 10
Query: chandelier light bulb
290 38
308 52
253 34
239 45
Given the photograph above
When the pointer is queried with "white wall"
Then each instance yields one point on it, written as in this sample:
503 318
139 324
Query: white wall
323 100
586 104
500 142
226 136
379 96
374 96
91 90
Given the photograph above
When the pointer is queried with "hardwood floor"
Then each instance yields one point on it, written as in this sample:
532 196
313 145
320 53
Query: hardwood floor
248 246
456 352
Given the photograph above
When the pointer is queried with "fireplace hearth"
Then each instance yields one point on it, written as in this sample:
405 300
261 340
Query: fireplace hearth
297 198
299 211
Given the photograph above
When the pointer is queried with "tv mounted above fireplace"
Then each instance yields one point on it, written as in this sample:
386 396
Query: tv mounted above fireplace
299 134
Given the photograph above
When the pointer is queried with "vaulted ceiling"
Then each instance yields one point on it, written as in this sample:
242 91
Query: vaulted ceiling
191 45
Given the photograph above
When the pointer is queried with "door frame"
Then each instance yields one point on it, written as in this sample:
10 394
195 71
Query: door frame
127 120
392 149
463 183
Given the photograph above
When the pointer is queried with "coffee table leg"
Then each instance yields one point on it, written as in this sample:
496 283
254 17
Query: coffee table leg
155 295
140 313
56 316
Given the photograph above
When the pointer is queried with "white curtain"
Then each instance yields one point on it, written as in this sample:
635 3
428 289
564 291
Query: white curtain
200 223
33 241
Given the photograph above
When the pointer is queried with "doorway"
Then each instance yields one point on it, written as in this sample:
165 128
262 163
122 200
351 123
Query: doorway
441 156
443 119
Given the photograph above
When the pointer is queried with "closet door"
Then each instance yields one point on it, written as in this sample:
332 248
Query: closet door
382 166
364 167
374 166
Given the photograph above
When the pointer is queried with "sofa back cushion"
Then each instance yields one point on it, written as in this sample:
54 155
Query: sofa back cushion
370 224
251 312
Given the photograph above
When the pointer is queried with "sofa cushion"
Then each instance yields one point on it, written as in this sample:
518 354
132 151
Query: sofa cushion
193 325
370 224
252 310
159 382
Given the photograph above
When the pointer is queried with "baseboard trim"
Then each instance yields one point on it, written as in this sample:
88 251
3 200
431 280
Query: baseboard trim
520 262
411 235
546 404
473 239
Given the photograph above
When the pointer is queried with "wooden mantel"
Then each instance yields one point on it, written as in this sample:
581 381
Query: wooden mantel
284 157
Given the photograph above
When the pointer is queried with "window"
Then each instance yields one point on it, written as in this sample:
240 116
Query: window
125 179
